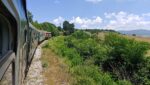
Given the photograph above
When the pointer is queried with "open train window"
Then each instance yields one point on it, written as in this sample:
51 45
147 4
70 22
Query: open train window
4 36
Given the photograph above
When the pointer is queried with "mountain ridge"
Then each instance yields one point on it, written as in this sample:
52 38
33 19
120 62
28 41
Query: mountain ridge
139 32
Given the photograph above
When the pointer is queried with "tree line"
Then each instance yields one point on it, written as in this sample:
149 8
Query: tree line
67 28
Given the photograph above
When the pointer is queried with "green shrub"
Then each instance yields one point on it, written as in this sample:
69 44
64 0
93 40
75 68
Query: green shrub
124 82
126 58
90 75
81 35
116 60
45 64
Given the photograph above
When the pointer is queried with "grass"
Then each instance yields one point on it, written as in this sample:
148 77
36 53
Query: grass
55 71
101 35
139 38
58 71
148 53
80 72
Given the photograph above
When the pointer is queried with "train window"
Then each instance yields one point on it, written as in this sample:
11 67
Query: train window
4 36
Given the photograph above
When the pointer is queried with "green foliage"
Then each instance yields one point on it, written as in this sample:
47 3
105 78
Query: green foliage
90 75
81 35
83 74
115 60
126 58
45 64
30 16
59 28
68 28
46 26
50 28
100 30
124 82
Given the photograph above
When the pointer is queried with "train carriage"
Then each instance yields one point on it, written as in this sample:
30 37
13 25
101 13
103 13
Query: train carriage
18 41
47 35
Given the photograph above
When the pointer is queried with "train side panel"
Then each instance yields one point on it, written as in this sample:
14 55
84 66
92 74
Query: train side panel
19 29
33 41
21 40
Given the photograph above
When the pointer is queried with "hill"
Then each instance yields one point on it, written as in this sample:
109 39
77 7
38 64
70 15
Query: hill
139 32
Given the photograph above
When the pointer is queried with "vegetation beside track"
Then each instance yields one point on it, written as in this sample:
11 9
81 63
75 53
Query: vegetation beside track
55 70
114 60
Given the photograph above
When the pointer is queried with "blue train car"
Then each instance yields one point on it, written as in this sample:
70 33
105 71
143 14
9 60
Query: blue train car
18 41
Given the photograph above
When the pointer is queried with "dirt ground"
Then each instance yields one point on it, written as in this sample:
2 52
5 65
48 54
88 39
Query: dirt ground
55 71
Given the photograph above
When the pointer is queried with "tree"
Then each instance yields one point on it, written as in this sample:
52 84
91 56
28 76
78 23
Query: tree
71 28
30 16
59 28
68 28
50 28
133 34
37 25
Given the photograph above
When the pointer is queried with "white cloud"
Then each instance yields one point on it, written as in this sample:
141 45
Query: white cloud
58 20
146 14
126 21
94 1
97 20
79 22
117 21
109 15
86 22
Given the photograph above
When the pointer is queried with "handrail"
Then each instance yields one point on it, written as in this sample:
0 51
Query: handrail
5 62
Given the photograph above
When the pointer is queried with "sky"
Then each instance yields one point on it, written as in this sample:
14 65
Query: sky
93 14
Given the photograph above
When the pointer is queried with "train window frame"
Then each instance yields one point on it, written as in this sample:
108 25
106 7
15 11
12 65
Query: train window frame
5 36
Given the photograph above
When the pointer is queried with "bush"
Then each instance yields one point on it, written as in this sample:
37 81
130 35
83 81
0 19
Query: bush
126 58
115 60
45 64
124 82
46 26
90 75
81 35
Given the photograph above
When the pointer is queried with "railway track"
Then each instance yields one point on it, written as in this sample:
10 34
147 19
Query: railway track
35 76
